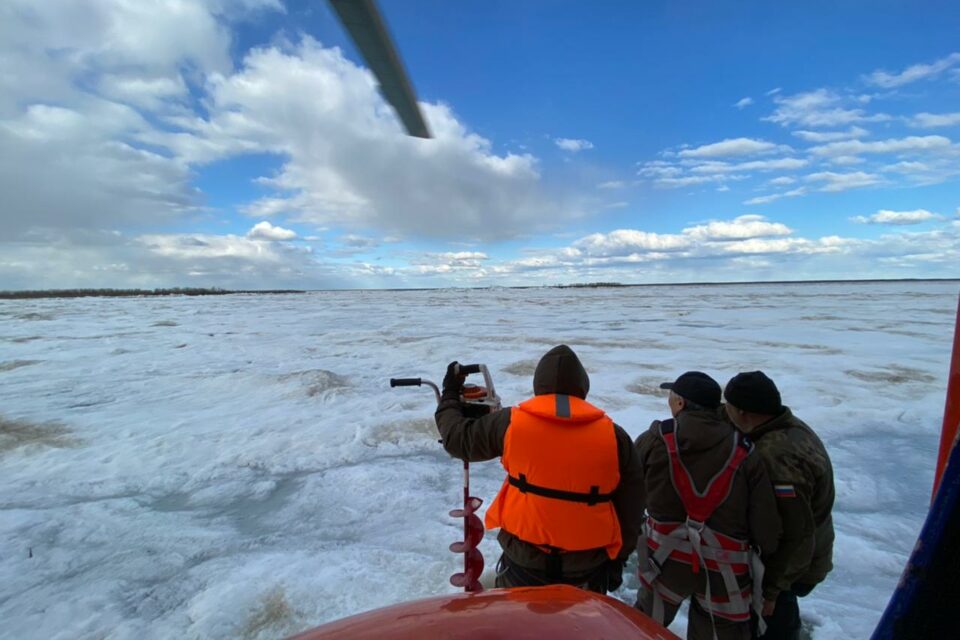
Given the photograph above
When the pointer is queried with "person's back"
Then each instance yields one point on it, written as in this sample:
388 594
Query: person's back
568 511
725 481
799 466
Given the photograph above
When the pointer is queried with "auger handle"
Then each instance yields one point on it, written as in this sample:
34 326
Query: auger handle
467 369
405 382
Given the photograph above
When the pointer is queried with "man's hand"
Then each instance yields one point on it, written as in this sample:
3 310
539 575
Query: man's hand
768 607
452 383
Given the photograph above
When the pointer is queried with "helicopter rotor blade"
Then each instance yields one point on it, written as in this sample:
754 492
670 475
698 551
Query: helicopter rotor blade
368 30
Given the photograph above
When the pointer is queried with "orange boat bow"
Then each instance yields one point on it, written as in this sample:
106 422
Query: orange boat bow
558 612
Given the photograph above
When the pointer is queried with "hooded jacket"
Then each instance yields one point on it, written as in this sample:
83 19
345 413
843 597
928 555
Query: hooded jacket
477 439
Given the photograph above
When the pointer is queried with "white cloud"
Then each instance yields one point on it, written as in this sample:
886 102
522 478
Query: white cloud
778 164
266 231
819 108
106 96
628 241
659 169
834 182
742 227
773 91
846 161
831 136
782 181
931 120
913 73
449 263
743 102
885 216
687 181
347 161
574 145
784 246
624 243
893 145
773 197
354 241
612 184
730 147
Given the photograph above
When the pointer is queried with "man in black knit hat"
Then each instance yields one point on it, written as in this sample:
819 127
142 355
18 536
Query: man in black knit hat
802 477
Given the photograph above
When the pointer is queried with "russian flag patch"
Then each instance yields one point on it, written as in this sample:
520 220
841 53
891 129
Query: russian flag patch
784 491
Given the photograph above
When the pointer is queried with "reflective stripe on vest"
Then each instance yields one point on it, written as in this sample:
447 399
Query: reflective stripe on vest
562 463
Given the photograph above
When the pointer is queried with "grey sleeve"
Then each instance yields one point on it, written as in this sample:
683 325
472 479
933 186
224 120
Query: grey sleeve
471 439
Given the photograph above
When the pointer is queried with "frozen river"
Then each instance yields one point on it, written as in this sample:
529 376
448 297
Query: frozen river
237 466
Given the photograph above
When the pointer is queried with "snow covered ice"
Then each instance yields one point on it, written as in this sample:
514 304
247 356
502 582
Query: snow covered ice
237 466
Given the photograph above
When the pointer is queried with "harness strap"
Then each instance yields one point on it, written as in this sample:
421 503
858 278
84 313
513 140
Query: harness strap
592 498
696 543
756 574
701 505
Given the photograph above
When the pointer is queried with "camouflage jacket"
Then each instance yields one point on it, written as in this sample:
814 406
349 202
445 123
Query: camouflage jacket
802 477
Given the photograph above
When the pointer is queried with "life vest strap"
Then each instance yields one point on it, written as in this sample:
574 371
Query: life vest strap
592 498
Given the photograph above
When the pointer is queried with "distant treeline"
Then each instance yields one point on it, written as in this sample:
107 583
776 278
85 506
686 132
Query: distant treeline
100 293
591 285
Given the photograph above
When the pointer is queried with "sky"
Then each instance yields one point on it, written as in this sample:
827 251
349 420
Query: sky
243 144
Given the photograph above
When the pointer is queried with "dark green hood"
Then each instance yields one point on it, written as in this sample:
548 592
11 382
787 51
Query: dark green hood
559 371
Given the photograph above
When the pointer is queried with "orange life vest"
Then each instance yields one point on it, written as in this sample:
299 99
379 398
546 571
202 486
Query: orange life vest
560 453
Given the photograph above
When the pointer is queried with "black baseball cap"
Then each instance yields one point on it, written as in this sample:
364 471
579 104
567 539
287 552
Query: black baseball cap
696 386
753 391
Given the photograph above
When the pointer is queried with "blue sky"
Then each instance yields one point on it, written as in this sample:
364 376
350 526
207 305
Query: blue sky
242 144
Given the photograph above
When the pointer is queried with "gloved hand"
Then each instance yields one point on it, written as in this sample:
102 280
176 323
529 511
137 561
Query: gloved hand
452 383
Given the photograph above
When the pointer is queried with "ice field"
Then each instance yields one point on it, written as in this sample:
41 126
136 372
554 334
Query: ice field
238 466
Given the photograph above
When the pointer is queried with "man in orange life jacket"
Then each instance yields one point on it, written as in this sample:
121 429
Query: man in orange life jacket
569 508
709 503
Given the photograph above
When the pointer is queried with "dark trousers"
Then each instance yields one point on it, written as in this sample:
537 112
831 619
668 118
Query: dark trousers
784 624
510 574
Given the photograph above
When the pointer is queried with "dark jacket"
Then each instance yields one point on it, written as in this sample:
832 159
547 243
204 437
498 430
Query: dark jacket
704 442
478 439
749 513
800 470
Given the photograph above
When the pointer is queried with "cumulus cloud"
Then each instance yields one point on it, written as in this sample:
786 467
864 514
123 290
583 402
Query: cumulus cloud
730 147
885 216
893 145
833 182
266 231
819 108
888 80
627 242
574 145
782 180
451 263
358 242
742 227
830 136
931 120
773 197
347 162
753 165
743 102
105 96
